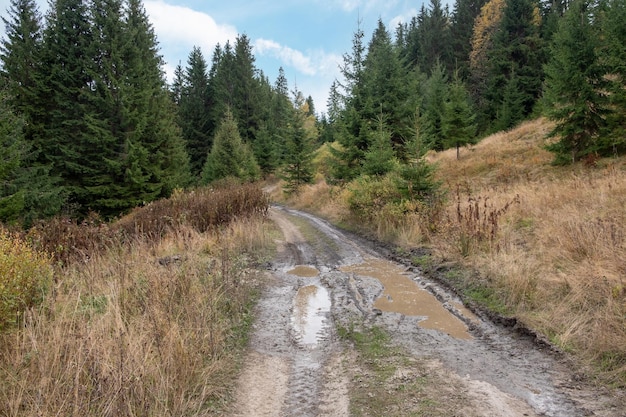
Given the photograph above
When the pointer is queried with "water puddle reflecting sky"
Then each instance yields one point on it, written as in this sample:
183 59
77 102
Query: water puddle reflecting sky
311 305
402 295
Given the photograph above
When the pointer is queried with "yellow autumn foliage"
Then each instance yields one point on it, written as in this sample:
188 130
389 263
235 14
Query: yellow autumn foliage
25 274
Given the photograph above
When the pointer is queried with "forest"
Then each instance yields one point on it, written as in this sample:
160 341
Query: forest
89 123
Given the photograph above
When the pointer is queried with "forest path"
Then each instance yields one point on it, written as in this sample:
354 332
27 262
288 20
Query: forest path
453 362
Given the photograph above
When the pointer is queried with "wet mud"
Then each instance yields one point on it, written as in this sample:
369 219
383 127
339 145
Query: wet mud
298 367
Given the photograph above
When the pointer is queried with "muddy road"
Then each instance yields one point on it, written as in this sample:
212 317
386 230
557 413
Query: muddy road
456 363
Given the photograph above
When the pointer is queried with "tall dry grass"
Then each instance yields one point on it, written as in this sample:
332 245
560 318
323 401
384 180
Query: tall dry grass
548 242
140 326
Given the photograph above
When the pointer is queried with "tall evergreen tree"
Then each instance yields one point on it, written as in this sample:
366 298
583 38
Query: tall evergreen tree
384 86
575 86
62 136
20 52
298 168
229 155
516 57
432 116
614 57
155 149
354 134
246 106
435 39
193 110
37 193
458 118
462 28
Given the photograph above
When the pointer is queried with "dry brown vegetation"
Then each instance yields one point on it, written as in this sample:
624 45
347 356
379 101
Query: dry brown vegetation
548 244
145 315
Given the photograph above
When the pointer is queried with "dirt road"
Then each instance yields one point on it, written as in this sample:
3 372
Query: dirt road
453 363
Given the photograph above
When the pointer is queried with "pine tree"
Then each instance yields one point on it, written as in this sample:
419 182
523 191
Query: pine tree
353 135
385 88
435 94
229 155
20 52
575 86
516 57
435 40
193 110
247 108
379 158
462 28
458 118
298 168
614 53
157 162
62 136
38 193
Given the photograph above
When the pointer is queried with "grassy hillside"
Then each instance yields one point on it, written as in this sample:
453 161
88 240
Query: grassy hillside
542 243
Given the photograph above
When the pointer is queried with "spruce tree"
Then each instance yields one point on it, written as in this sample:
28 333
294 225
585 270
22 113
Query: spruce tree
436 40
614 56
458 118
516 57
379 158
20 52
298 168
385 87
575 86
229 155
462 28
354 133
157 161
62 136
193 110
433 109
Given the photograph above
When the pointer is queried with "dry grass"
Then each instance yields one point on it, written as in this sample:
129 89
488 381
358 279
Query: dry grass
140 327
550 242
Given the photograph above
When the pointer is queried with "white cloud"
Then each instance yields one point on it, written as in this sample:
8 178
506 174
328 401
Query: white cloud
186 27
313 63
402 18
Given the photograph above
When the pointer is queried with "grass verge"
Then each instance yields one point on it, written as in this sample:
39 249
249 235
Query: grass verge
388 382
147 324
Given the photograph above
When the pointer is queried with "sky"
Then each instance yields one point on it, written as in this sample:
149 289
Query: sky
307 38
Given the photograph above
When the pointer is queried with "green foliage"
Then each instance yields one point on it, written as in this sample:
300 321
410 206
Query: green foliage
514 71
193 110
458 118
298 168
229 156
433 109
575 86
614 56
368 196
25 275
379 158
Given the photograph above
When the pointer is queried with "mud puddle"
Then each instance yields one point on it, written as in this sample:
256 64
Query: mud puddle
402 295
304 271
311 306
